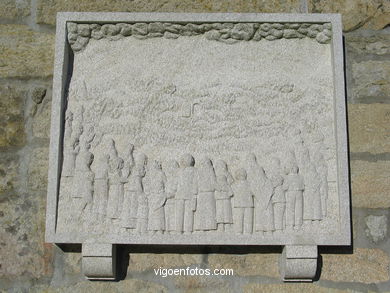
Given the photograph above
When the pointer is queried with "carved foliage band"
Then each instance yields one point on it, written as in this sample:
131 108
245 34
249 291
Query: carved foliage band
229 33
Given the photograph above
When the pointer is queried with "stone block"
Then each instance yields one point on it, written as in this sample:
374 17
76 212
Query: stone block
370 184
14 9
41 120
46 10
25 53
22 249
369 128
371 79
12 117
376 228
370 14
364 266
9 170
247 265
375 44
38 168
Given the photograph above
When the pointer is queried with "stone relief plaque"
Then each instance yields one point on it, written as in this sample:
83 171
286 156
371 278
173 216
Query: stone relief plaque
206 129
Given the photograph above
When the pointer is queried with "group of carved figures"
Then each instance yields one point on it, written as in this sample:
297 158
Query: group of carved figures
139 196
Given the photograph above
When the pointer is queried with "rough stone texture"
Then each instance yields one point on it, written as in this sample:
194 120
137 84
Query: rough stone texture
364 266
11 116
139 262
371 78
8 173
46 10
133 285
25 53
289 288
369 128
370 184
13 9
376 228
377 44
202 284
22 247
370 14
41 120
37 169
247 265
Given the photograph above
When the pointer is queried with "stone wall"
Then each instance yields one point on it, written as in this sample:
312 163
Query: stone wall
27 30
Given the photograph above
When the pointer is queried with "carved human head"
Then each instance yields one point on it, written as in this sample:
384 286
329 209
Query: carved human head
187 160
294 169
275 162
220 164
206 161
171 165
251 157
141 159
156 165
240 174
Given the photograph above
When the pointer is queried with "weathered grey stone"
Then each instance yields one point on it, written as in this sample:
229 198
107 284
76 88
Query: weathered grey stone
376 228
37 169
12 131
110 29
322 38
80 43
202 284
242 31
364 265
156 27
371 79
129 285
25 53
370 184
170 35
375 44
247 265
72 27
41 121
291 33
14 9
83 30
9 173
140 29
22 246
140 262
38 94
291 288
370 14
368 128
212 35
96 32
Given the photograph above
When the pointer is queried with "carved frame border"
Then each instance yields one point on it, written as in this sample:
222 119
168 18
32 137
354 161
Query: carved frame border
62 73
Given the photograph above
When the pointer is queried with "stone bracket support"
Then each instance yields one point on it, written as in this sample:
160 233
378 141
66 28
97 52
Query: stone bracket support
299 263
99 261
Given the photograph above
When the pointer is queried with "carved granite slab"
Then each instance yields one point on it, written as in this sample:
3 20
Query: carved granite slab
209 129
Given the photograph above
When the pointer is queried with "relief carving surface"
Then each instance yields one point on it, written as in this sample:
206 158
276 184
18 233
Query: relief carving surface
251 152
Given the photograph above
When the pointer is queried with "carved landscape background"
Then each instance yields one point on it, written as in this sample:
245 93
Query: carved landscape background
26 57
